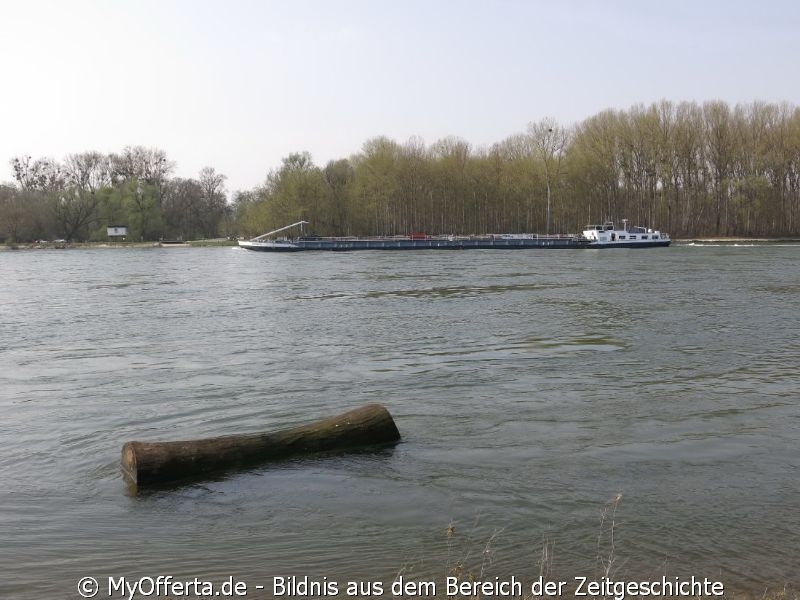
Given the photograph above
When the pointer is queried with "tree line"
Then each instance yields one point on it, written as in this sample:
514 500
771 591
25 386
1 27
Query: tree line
691 169
78 198
687 168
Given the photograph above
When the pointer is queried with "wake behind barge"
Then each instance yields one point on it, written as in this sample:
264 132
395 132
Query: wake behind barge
414 241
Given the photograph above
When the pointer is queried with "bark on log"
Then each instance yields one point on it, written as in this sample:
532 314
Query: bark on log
151 463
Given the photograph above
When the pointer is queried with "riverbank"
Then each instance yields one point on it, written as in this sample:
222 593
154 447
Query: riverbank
116 245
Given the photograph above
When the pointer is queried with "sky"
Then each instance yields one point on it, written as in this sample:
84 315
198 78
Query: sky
238 85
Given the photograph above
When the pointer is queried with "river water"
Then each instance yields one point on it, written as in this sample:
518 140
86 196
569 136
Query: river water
530 388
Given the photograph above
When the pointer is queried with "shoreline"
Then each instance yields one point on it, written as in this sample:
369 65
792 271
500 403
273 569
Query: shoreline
116 245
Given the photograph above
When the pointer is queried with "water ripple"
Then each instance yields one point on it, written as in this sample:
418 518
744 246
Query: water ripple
529 389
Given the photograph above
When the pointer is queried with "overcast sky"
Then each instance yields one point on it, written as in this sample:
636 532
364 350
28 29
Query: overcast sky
238 85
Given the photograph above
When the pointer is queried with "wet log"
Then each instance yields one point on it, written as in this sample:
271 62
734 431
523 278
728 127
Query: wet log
153 463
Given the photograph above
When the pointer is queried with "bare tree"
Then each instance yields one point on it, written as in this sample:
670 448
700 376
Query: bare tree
212 186
549 141
149 165
42 174
88 171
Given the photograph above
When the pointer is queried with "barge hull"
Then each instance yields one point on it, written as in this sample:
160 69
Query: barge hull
642 244
342 245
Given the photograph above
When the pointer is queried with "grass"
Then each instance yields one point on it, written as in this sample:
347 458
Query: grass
469 561
608 521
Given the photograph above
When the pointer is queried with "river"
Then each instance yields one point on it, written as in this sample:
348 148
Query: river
530 388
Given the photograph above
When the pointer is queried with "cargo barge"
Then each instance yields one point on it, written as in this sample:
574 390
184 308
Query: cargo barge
601 237
415 241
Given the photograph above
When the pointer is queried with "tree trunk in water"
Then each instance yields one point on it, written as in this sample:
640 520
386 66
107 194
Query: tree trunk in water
150 463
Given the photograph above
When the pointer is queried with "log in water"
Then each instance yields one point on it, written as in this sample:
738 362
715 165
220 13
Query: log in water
150 463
